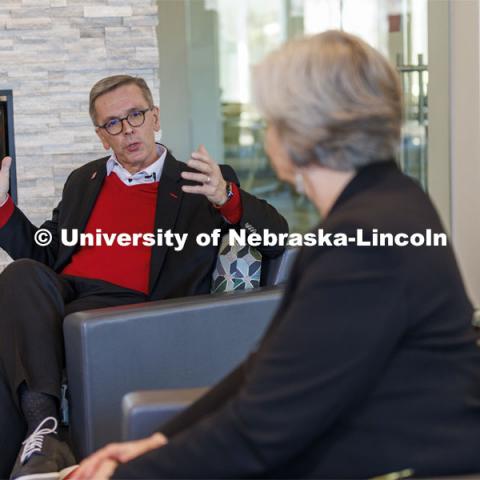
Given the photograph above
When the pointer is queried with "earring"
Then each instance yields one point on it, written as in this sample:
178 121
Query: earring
299 184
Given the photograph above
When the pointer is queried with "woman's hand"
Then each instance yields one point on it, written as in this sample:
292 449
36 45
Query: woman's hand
102 464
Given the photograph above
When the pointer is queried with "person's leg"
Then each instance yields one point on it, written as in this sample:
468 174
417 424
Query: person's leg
32 298
90 294
32 302
12 429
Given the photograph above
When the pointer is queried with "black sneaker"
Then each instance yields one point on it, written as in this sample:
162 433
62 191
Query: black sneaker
43 455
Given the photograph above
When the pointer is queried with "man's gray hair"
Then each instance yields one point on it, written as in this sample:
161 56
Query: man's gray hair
334 100
108 84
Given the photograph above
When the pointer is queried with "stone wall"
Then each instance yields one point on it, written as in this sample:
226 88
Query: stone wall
51 53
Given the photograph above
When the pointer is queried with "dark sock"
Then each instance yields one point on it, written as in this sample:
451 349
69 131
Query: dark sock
36 406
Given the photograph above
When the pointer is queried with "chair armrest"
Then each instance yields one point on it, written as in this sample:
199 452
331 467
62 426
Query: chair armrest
145 412
275 271
180 343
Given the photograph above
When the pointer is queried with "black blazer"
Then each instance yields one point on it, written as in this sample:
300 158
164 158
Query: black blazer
369 366
172 274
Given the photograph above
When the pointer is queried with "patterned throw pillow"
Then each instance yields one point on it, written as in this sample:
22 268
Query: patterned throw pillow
238 268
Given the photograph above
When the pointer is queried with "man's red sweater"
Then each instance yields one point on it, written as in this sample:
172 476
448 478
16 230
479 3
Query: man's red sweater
119 209
123 209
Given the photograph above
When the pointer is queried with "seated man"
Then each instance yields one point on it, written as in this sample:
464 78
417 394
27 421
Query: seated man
140 189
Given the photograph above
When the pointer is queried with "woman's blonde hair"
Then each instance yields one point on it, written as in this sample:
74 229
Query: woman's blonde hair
334 100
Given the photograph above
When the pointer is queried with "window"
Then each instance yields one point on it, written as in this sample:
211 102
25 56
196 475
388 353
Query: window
205 87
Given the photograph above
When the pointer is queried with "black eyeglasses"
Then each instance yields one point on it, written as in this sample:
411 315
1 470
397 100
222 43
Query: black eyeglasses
134 119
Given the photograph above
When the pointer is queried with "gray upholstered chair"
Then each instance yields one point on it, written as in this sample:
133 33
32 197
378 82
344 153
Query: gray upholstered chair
179 343
144 412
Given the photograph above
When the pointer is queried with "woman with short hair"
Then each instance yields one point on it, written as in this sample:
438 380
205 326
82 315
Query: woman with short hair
370 365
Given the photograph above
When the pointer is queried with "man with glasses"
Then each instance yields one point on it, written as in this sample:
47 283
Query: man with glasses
138 189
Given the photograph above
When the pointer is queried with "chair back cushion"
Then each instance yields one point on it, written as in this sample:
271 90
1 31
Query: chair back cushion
237 268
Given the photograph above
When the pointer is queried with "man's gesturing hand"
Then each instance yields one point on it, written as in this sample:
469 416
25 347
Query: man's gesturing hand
213 185
5 178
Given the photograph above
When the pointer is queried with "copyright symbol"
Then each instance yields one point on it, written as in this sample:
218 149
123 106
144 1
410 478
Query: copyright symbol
43 237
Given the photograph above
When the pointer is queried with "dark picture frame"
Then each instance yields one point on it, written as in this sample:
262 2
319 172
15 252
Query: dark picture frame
7 137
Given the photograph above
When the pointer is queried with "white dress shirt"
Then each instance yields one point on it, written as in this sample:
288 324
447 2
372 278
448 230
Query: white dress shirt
149 175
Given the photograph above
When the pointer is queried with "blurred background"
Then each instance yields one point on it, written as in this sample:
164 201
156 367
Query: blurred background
229 36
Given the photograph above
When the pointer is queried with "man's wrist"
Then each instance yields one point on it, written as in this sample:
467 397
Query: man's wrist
227 197
6 211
